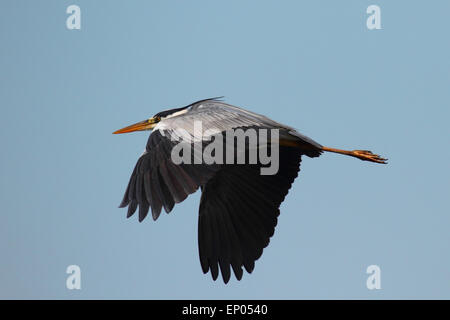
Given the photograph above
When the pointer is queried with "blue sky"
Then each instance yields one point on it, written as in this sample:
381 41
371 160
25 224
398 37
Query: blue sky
313 65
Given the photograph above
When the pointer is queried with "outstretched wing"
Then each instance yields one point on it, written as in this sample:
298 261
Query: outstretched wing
238 214
217 115
158 182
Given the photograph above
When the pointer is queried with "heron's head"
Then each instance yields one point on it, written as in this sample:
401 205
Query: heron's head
149 124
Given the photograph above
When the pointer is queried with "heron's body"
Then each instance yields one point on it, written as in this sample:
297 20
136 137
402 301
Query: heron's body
239 206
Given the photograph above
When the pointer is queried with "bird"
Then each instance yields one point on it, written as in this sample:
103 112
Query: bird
239 206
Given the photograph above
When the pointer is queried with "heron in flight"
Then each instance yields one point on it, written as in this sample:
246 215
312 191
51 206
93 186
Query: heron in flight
239 206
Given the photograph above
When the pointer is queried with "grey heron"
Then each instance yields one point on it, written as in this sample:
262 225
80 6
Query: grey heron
239 206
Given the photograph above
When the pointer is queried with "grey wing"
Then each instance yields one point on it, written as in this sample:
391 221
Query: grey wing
217 116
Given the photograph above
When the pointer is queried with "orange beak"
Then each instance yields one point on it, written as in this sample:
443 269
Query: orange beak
140 126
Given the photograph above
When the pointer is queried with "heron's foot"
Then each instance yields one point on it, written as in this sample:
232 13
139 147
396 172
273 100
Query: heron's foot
367 155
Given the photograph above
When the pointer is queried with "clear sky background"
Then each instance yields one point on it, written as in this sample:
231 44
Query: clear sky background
313 65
